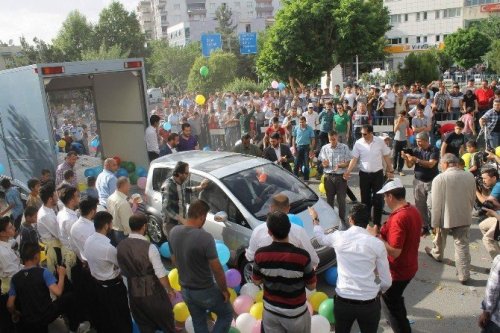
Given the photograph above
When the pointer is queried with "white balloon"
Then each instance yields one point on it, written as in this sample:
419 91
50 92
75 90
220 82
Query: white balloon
249 289
245 322
319 324
188 325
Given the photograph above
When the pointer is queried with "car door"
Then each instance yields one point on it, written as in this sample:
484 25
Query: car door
160 174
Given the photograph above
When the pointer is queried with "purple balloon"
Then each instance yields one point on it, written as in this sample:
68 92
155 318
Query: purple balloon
177 298
233 278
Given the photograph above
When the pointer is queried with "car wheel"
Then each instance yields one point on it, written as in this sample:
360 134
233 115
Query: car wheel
246 269
155 229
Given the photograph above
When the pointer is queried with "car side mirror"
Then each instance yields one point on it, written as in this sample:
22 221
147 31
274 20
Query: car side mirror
220 216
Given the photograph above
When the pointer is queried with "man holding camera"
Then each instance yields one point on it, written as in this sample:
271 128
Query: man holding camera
490 202
425 158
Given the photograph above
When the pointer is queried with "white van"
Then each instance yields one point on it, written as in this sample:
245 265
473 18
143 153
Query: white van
155 95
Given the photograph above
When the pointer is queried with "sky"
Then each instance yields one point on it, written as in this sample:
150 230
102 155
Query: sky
44 18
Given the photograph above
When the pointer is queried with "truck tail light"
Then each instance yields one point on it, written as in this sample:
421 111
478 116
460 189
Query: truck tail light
52 70
133 64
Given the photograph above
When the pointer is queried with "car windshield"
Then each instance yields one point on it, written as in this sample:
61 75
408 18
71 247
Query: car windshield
255 187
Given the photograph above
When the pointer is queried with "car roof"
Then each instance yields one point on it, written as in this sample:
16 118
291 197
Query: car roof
219 164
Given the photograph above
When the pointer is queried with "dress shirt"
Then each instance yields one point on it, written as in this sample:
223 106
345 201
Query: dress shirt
359 254
335 156
174 120
312 119
48 228
370 155
120 208
151 138
60 174
278 154
65 220
105 185
491 302
101 257
303 136
297 236
9 261
80 231
491 117
389 98
154 257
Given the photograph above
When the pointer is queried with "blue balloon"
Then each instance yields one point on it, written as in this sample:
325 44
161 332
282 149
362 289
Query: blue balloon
412 140
225 268
206 148
122 173
98 169
167 126
141 172
2 168
165 250
95 143
90 172
438 144
237 288
331 276
223 253
281 86
295 220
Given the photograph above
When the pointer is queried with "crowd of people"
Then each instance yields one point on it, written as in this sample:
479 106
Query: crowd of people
94 239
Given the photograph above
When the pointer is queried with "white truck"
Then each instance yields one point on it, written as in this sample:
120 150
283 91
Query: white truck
28 126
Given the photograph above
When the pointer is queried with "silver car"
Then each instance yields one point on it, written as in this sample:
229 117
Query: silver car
239 194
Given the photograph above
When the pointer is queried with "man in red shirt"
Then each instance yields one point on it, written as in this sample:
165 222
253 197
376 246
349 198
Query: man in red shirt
401 236
485 96
275 127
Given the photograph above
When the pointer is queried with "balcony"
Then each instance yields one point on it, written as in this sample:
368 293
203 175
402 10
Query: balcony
264 9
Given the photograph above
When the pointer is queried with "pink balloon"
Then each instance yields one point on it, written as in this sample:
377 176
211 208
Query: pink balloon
274 84
256 328
233 278
141 182
242 304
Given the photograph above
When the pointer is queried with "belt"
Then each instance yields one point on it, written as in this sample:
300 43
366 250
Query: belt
371 172
109 283
355 301
331 174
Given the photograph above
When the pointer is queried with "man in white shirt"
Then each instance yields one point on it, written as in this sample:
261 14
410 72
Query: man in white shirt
106 181
83 227
65 220
110 291
174 119
151 138
370 150
120 209
312 118
389 100
48 228
359 256
297 236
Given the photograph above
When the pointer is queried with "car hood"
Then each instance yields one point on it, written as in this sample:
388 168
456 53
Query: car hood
328 217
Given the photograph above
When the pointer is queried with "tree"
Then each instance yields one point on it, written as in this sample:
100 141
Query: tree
467 46
225 27
418 66
104 53
75 37
493 57
117 26
38 52
222 70
444 60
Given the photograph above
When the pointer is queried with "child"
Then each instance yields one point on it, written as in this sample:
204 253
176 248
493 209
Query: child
473 163
34 196
27 231
46 177
91 191
468 119
69 177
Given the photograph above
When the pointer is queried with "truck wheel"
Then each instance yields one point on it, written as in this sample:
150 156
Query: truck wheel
245 269
155 230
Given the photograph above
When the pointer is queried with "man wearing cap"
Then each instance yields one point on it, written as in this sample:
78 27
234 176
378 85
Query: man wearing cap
389 99
68 164
401 238
453 197
425 158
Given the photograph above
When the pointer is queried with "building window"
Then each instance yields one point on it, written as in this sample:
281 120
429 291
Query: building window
406 40
418 39
418 16
249 4
425 16
395 41
250 13
425 39
395 18
438 38
437 14
452 12
248 28
406 17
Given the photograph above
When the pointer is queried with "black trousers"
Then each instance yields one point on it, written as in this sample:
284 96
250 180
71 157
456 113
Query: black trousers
83 286
6 324
350 194
396 310
397 161
336 186
112 306
367 315
323 140
152 313
369 184
152 155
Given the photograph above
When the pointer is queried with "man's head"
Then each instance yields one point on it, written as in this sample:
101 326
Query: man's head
420 110
138 223
280 203
45 175
275 139
422 140
7 229
88 207
333 137
394 193
470 83
186 129
303 122
69 176
359 216
484 84
490 177
181 171
245 140
329 105
48 195
387 87
110 164
362 107
278 225
173 140
310 107
30 253
6 184
471 146
448 161
367 132
31 214
496 105
34 186
71 158
103 222
197 213
459 126
154 120
123 185
456 88
70 197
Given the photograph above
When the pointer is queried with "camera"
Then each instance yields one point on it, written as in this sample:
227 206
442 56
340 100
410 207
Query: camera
293 122
488 204
408 151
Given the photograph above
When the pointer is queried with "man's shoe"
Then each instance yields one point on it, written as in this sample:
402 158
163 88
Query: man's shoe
428 250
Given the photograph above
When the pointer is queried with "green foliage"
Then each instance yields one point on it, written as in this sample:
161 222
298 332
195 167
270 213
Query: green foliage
312 36
222 66
240 85
225 27
418 66
75 37
444 60
170 65
493 57
467 46
105 53
36 53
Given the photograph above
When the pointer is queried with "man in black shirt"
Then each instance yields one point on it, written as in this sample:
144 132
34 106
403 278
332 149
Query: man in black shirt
27 231
455 142
425 158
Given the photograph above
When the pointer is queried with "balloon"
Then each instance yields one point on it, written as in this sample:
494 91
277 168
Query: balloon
61 143
497 151
316 299
274 84
95 143
141 182
233 330
322 188
295 220
165 250
117 159
326 310
412 140
249 289
225 268
135 328
319 324
256 310
133 178
242 304
173 278
245 323
200 99
167 126
177 298
121 173
331 276
181 312
233 278
257 327
98 169
281 86
237 288
438 144
313 172
259 296
130 166
90 172
204 71
141 171
223 253
207 148
82 187
232 295
188 325
323 179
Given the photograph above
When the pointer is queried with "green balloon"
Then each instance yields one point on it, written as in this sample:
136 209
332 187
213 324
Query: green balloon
133 178
130 167
123 164
204 71
326 310
233 330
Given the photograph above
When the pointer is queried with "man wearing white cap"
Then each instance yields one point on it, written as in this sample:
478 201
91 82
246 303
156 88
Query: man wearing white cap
389 99
401 237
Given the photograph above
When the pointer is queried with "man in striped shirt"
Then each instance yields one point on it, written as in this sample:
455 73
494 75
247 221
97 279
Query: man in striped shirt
285 270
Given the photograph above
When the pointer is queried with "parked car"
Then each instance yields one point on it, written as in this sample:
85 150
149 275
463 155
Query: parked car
239 195
154 95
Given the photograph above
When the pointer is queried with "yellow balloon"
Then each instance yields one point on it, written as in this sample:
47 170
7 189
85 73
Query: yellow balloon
173 278
256 310
61 143
313 172
213 316
232 295
181 312
467 157
322 188
259 296
43 256
82 187
497 151
316 299
200 99
323 179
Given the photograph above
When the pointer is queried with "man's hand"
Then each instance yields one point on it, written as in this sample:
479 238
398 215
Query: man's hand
389 175
347 175
325 163
313 213
484 318
372 230
490 212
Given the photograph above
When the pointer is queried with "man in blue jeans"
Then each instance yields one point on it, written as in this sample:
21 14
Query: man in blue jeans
303 141
490 120
194 254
